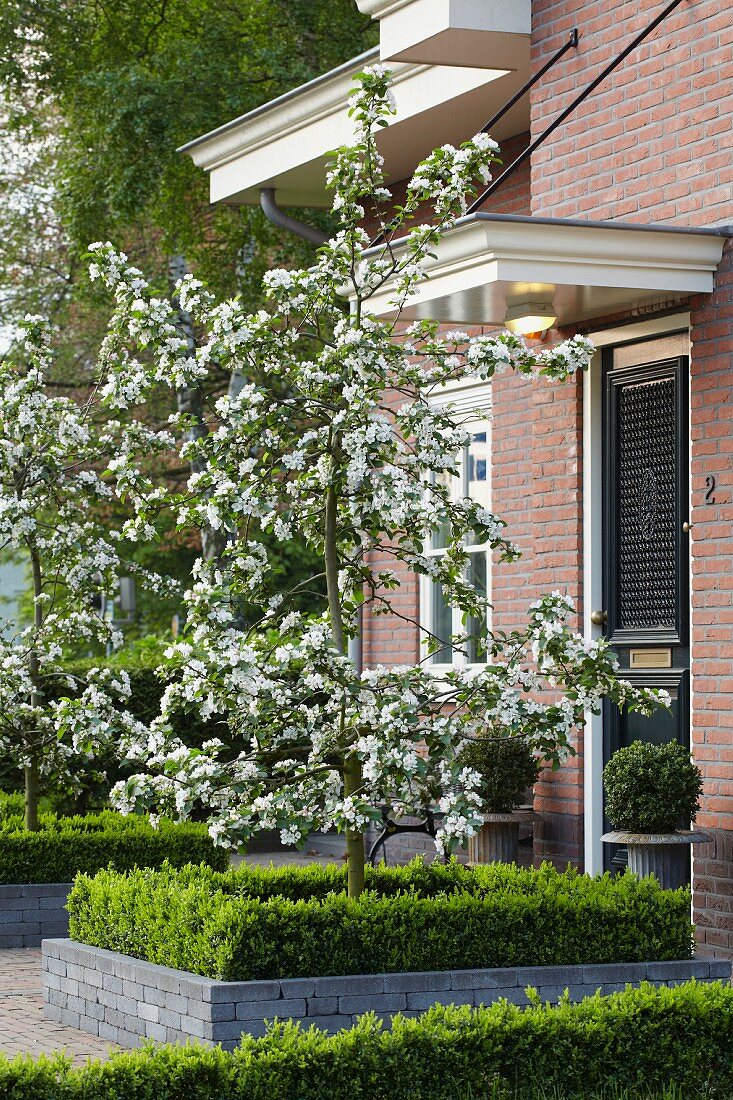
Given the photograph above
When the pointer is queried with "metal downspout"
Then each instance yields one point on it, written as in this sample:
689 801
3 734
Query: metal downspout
278 217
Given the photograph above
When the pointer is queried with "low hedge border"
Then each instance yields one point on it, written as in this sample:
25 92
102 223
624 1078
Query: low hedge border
65 846
643 1039
232 926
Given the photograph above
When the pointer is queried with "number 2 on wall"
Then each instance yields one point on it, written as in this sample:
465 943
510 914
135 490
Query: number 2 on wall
710 482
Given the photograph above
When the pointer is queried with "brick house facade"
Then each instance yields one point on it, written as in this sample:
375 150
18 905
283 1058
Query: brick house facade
651 147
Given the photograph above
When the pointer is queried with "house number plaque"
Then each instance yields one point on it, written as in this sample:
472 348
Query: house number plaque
650 658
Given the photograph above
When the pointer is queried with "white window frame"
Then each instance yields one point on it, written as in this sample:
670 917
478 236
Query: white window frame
471 401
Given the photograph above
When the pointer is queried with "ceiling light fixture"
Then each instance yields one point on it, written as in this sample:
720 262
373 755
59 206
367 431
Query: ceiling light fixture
530 318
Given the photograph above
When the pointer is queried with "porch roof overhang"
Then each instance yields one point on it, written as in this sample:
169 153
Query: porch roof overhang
487 33
586 269
286 143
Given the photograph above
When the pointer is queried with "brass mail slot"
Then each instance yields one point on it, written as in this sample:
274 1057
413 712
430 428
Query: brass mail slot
650 658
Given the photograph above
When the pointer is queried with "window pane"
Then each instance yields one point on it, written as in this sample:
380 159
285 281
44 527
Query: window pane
477 468
477 575
441 537
441 624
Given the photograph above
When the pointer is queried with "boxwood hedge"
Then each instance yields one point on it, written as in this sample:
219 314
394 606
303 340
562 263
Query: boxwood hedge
64 846
644 1040
251 924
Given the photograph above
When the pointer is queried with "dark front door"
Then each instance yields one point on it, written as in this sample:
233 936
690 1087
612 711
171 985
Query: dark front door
645 544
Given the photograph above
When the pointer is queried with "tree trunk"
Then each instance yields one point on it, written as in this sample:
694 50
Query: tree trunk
351 770
32 796
32 771
354 839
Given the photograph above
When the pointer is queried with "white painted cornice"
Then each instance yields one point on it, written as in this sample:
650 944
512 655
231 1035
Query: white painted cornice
377 9
286 144
588 269
307 103
453 32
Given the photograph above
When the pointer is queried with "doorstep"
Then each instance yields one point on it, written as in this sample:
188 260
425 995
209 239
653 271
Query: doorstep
128 1001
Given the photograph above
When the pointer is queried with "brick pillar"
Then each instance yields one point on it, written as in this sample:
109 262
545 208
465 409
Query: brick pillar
711 428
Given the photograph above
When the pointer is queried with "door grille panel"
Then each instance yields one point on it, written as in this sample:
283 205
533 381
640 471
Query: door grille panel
646 501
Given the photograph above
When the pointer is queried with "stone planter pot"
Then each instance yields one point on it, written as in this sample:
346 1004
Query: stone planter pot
497 841
663 855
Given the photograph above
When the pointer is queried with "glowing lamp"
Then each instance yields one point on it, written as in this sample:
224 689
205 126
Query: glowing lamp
530 318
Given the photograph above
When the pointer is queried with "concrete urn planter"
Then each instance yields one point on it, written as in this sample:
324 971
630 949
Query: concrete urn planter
664 855
497 841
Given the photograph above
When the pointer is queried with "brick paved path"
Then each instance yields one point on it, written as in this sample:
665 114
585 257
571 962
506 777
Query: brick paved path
23 1029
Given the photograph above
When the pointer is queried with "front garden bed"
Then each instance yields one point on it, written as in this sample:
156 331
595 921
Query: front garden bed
37 868
172 954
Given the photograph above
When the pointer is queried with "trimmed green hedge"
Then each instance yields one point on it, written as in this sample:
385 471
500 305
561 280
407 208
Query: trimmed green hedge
64 846
250 924
645 1039
11 806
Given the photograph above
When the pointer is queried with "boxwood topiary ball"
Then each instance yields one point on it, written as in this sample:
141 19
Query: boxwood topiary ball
507 766
652 788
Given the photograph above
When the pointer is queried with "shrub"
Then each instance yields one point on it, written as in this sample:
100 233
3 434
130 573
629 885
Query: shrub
11 806
507 766
645 1040
93 781
652 788
64 846
232 925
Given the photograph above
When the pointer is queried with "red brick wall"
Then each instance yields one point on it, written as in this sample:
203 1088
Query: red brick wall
557 516
654 142
712 602
514 196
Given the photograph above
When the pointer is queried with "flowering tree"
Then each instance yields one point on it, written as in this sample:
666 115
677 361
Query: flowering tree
310 448
51 491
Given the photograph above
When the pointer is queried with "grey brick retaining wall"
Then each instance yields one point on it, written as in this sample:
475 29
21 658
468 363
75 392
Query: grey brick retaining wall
127 1001
31 912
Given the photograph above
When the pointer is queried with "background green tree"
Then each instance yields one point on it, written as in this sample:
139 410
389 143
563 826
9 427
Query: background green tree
97 96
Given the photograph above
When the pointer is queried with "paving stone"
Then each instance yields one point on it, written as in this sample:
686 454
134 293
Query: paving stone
322 1006
365 984
163 999
329 1023
206 1010
193 986
227 1030
192 1026
417 982
134 990
112 983
170 1018
255 1028
292 987
426 999
256 991
377 1002
601 973
155 1031
483 979
698 968
293 1007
